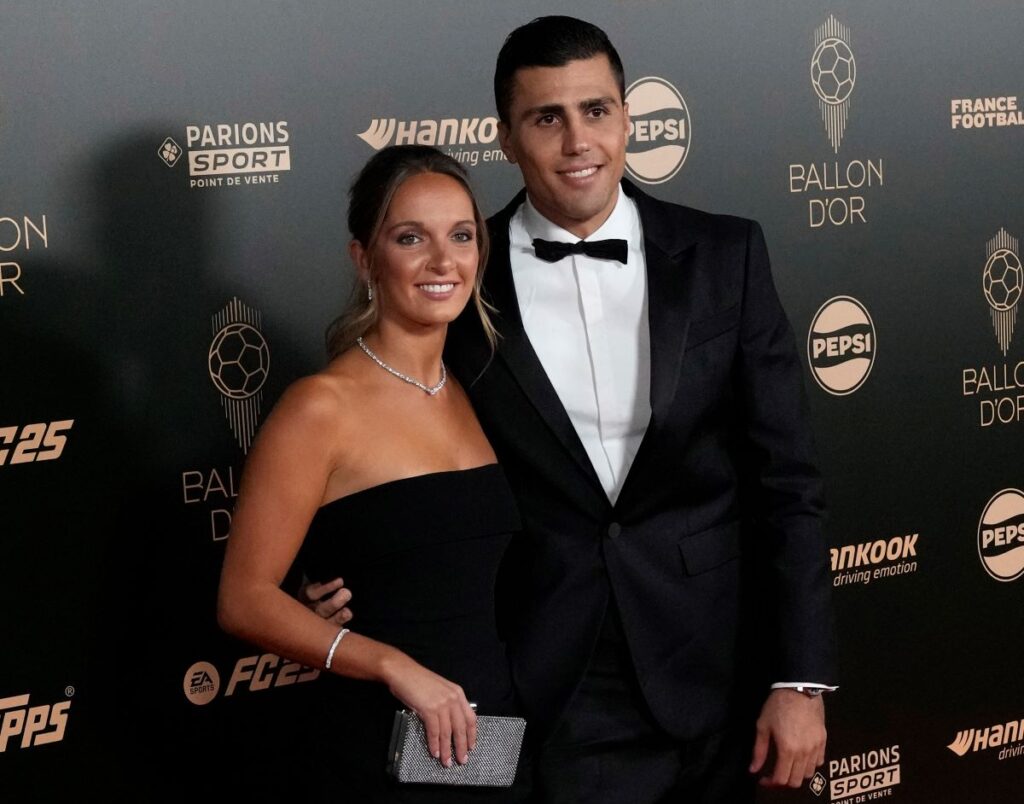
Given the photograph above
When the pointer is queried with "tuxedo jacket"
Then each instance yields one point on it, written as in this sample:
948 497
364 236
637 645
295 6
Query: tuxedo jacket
713 552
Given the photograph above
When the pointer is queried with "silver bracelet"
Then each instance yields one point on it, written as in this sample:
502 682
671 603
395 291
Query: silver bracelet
334 645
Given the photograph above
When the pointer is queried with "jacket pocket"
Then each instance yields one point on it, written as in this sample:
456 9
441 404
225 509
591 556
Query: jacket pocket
712 326
710 548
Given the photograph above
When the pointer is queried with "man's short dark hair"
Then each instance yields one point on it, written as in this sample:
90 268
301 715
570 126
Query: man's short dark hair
550 42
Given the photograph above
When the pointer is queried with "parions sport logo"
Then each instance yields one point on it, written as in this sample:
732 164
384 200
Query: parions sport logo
469 140
659 130
841 345
231 154
201 682
859 777
1001 535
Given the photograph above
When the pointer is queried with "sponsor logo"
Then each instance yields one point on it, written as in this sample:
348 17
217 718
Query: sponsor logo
837 189
18 233
861 777
239 361
1001 280
231 154
841 345
1008 737
995 112
214 489
169 152
201 682
469 140
999 387
833 76
42 441
659 130
1001 535
875 560
41 724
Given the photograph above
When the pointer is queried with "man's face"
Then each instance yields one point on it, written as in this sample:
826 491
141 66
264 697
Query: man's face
567 132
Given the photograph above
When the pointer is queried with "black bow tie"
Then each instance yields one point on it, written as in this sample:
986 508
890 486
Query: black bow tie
553 251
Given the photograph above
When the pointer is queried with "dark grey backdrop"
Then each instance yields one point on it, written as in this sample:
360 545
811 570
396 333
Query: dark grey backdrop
109 574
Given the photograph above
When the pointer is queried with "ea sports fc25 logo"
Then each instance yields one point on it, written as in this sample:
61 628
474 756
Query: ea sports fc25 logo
1001 535
841 345
659 130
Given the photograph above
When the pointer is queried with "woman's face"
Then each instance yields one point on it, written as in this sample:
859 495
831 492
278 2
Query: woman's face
426 257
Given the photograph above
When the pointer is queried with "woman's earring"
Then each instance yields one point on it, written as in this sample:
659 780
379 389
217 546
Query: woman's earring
369 291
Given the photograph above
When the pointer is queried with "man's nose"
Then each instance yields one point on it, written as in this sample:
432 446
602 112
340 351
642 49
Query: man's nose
575 138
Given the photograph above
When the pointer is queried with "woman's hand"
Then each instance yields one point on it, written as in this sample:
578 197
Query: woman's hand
328 600
440 704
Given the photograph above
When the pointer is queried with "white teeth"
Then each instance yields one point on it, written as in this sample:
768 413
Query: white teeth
438 288
579 174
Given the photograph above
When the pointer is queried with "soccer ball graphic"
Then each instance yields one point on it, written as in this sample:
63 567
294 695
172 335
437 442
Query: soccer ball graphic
239 360
1002 279
833 71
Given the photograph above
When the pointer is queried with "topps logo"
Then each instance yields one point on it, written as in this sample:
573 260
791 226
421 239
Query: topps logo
35 725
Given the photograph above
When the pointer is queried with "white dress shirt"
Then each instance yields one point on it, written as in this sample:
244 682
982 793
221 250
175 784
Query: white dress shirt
579 306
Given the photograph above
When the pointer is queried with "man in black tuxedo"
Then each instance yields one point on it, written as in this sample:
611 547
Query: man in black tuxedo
646 401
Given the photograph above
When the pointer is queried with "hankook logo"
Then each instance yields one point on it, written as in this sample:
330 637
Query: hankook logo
841 345
659 130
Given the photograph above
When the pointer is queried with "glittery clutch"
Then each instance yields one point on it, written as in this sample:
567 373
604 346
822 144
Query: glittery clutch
491 764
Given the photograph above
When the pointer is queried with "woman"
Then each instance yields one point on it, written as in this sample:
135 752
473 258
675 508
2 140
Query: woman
377 468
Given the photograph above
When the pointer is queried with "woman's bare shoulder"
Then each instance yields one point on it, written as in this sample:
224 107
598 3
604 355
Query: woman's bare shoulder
320 403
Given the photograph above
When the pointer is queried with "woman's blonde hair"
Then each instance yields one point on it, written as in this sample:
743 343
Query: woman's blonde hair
369 199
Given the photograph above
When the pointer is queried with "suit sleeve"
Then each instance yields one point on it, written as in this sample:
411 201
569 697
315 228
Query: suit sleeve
784 488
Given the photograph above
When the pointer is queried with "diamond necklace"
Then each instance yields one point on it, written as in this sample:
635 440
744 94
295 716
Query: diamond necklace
430 390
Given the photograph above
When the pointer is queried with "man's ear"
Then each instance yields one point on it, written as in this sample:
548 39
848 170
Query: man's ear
505 140
625 114
360 258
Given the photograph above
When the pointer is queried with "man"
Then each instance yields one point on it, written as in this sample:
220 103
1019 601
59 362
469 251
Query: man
646 402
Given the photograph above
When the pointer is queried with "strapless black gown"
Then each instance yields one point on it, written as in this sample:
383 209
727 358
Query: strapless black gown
420 555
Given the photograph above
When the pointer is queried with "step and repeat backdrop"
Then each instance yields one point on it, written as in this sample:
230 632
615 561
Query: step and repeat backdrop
172 247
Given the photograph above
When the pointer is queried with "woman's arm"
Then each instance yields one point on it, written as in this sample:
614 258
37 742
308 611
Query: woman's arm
282 486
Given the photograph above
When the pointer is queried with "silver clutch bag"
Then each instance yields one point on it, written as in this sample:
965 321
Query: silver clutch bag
492 763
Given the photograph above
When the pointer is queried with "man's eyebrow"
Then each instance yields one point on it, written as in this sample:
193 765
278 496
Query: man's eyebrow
558 108
547 108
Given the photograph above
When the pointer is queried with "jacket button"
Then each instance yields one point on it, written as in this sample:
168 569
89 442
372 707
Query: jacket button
614 530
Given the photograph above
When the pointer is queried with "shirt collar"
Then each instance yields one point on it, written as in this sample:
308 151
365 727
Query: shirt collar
622 223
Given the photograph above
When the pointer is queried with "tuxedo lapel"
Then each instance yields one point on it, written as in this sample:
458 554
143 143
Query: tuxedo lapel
669 255
515 349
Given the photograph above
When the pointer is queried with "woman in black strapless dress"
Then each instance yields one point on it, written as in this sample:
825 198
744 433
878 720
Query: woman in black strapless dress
364 471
